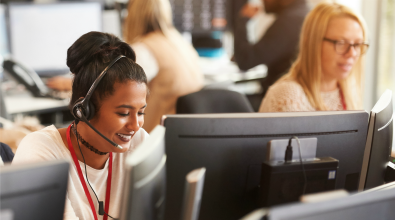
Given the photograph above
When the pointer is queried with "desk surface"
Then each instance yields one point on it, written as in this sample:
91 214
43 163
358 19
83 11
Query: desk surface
28 104
218 70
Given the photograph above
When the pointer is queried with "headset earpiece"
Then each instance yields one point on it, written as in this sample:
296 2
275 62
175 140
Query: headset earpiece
77 109
81 107
90 110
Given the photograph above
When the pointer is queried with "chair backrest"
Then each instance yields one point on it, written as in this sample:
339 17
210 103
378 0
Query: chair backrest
213 101
6 153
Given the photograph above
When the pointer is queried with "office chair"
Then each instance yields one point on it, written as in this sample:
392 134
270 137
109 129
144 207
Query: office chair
213 101
6 153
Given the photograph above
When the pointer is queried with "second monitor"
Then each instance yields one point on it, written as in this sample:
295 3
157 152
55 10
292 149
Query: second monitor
52 34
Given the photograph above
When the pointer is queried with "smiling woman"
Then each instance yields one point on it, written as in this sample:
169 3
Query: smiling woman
109 95
327 74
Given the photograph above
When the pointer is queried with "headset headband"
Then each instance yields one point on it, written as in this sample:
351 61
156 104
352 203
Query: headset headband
97 81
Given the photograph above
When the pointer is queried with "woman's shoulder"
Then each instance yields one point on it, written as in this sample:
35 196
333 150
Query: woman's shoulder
40 145
286 88
155 35
49 133
285 95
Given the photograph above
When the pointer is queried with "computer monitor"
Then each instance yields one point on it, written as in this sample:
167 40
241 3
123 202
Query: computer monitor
232 148
34 191
378 143
40 34
201 16
4 50
145 179
361 206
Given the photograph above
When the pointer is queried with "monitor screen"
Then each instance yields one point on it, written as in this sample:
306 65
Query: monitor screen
199 16
4 51
40 34
34 190
232 148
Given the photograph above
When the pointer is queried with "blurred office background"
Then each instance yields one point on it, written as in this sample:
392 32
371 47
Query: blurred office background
197 20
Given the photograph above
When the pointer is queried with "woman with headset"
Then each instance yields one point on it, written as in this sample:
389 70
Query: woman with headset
327 74
170 63
108 102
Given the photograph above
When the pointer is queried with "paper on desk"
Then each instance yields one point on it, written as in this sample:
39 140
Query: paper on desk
215 66
219 66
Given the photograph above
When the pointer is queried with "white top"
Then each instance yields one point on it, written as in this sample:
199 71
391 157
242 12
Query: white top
47 144
146 60
289 96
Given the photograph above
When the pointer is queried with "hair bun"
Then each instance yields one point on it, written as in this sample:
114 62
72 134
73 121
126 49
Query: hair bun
97 47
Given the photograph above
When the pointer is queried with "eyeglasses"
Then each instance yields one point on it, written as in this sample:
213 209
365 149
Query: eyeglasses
342 47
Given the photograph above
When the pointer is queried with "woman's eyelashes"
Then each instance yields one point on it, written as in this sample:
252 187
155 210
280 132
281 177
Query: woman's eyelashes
123 114
127 114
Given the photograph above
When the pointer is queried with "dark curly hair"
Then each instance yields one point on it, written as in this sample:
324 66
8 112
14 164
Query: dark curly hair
88 57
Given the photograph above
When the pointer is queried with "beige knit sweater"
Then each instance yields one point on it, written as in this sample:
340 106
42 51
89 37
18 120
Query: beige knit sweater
289 96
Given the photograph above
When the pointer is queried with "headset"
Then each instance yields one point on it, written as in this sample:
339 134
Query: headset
84 110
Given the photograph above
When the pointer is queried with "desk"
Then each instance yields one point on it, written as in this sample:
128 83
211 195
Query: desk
50 111
223 73
32 105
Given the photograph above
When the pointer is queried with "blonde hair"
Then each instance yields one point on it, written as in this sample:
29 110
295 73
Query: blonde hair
306 70
146 16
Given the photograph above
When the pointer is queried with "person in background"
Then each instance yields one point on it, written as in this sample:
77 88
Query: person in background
119 101
278 46
171 64
327 74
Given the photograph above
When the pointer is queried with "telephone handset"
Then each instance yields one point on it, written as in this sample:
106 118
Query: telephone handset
27 76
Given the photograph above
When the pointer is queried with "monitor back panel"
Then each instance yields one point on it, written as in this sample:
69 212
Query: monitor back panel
233 149
381 146
34 191
362 206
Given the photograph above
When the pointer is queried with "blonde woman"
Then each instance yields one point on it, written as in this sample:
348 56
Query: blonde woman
171 64
327 74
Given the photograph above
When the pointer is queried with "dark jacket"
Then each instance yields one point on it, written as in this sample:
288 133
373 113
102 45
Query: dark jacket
277 49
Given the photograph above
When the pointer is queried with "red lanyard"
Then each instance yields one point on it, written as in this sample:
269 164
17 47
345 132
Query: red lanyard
343 101
108 191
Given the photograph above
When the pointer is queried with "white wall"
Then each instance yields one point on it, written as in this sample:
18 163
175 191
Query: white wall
354 4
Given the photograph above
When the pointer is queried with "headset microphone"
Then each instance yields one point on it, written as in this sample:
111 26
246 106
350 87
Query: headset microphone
93 128
84 110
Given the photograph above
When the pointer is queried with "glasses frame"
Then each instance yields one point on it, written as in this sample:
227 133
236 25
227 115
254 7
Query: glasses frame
349 46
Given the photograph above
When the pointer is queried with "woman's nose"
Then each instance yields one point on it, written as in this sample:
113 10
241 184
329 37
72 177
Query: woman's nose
353 51
133 123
